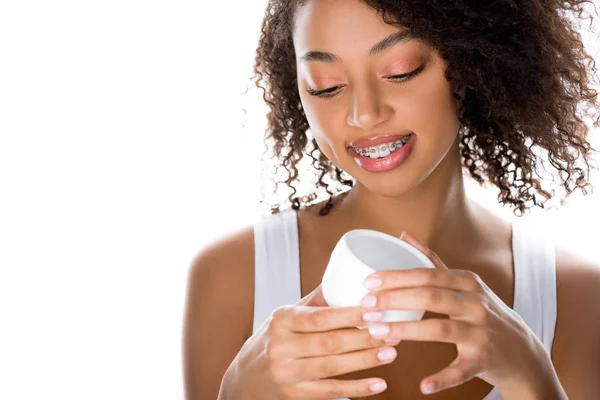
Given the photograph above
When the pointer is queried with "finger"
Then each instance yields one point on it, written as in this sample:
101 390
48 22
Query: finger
428 330
313 299
311 319
457 373
425 250
339 364
328 343
441 301
334 388
465 281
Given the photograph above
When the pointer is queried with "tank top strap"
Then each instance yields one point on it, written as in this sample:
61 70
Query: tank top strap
535 280
276 263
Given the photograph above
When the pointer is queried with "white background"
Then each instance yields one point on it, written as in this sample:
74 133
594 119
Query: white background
124 148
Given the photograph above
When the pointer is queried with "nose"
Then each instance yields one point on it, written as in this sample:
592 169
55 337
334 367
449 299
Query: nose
367 110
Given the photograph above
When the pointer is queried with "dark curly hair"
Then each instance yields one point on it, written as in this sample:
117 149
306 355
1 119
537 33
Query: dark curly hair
526 74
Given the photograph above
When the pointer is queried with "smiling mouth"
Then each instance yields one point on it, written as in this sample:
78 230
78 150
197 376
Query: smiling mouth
382 150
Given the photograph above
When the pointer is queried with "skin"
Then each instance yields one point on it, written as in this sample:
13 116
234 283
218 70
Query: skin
425 196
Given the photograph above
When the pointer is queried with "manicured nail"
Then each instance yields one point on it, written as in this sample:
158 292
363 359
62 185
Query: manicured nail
369 301
379 330
387 354
372 283
372 316
429 387
378 387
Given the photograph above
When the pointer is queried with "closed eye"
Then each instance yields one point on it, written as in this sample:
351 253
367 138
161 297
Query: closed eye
400 79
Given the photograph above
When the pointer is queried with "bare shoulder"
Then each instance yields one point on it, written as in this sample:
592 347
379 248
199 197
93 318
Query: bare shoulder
224 271
218 311
578 288
577 336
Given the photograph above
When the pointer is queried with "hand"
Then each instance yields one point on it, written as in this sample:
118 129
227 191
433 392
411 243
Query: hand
492 341
299 345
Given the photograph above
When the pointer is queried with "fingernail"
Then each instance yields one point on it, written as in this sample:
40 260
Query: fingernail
369 301
378 387
429 387
392 342
372 283
372 316
387 354
379 330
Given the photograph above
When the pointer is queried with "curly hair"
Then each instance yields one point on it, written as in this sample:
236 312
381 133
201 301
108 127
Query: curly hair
527 77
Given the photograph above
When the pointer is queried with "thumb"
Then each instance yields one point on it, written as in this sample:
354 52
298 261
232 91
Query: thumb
313 299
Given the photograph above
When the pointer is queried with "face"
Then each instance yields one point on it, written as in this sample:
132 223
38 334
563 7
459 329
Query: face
396 88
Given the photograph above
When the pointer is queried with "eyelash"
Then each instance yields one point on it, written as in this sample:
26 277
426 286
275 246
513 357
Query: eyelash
328 93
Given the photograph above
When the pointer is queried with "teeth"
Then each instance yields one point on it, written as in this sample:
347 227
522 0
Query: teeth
383 150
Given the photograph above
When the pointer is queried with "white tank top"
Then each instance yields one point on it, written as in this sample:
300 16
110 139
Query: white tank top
277 274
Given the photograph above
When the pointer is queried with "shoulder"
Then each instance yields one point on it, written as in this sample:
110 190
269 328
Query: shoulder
577 274
218 311
223 270
221 282
577 335
236 245
578 288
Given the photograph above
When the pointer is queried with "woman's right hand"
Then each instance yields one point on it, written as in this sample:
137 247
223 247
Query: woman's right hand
299 346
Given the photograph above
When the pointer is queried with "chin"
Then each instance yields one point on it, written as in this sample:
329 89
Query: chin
389 186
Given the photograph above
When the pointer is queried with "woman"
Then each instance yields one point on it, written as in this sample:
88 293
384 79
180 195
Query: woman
402 96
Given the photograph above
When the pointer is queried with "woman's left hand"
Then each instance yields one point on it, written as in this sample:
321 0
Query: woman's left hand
492 340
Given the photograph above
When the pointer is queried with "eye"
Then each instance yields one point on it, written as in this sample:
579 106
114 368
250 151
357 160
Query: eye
400 79
406 77
325 93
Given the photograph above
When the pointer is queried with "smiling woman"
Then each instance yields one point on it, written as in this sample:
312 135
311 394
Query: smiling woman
502 58
396 100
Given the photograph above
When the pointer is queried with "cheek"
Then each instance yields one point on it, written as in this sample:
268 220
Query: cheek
430 111
317 127
321 116
326 125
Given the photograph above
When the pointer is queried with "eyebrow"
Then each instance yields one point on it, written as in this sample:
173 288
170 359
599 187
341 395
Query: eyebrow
392 40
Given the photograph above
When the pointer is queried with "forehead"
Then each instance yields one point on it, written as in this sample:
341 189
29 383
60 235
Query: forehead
347 27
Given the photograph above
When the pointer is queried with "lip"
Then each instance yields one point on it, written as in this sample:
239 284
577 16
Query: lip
388 163
377 140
